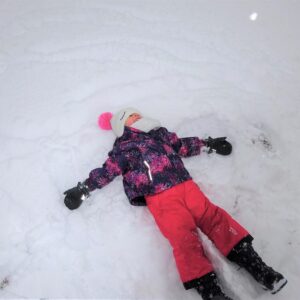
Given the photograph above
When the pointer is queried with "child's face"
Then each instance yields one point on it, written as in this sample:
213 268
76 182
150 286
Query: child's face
132 118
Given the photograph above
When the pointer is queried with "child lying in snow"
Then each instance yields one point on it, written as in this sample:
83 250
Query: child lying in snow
148 157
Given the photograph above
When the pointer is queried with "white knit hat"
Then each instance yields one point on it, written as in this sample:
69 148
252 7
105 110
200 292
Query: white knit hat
118 120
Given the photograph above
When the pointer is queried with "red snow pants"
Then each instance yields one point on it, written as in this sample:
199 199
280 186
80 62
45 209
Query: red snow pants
178 212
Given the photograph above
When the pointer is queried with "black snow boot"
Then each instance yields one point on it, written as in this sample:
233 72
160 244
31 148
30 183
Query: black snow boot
246 257
209 288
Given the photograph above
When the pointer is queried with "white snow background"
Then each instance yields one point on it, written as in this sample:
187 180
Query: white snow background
203 68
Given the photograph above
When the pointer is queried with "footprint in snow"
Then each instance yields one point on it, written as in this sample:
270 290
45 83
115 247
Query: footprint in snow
263 141
4 283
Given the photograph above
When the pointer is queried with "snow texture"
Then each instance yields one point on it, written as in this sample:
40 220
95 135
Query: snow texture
202 68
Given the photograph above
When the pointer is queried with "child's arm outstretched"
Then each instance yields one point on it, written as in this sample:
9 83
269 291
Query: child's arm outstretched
98 178
190 146
185 147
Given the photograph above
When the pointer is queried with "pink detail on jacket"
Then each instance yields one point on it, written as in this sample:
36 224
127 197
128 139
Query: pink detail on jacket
149 162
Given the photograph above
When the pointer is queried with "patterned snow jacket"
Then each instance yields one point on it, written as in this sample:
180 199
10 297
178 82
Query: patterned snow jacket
149 162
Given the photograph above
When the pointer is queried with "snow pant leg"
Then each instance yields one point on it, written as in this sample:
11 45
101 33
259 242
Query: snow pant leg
213 221
177 224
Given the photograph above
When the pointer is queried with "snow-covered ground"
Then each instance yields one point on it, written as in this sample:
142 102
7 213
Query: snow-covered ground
203 68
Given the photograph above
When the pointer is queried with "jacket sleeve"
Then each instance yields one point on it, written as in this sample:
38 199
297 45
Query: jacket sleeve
112 167
185 147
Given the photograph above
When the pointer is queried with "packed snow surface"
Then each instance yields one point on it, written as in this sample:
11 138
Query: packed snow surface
218 68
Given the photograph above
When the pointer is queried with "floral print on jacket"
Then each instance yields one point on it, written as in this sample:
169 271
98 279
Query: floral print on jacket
149 162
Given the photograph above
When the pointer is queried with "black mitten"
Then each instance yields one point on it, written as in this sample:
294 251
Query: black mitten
220 145
76 195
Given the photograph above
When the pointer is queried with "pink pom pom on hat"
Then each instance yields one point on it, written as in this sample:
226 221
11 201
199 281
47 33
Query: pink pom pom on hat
104 121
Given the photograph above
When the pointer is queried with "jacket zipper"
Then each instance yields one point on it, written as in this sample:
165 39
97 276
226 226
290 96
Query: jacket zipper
149 170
